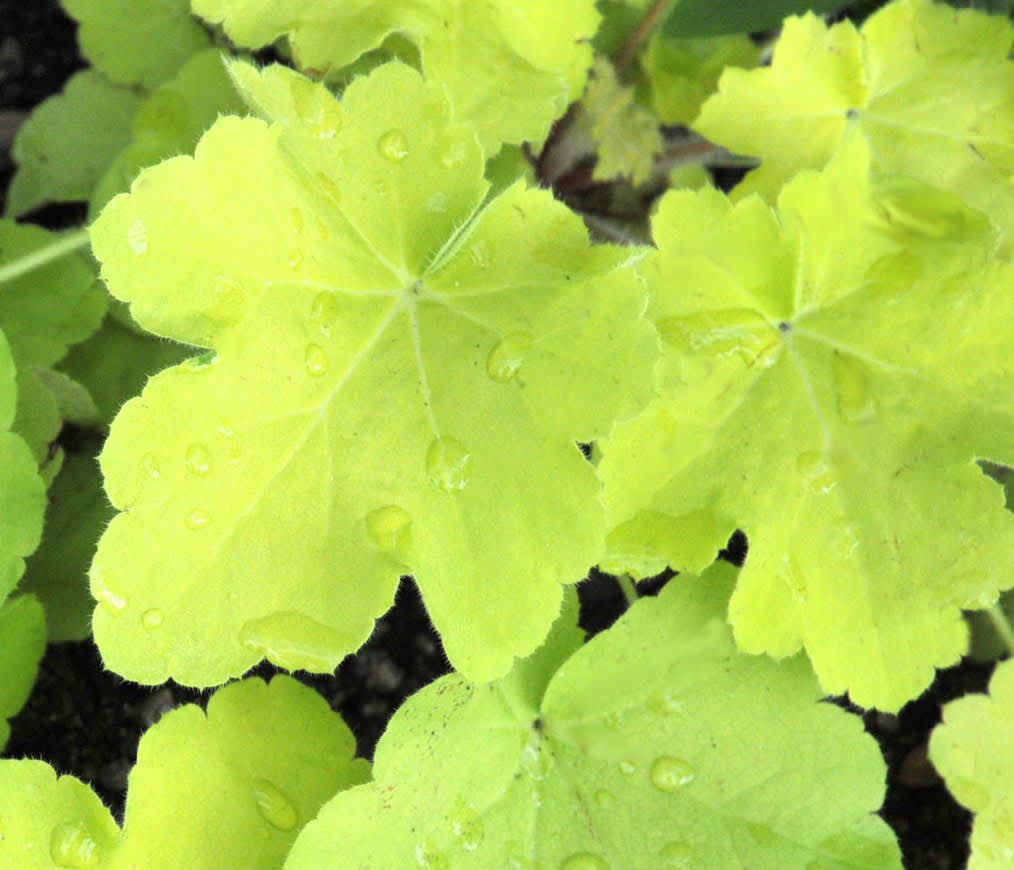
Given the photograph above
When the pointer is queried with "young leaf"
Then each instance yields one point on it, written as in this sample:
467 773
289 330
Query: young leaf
22 643
68 141
832 376
398 382
526 59
136 42
634 757
974 751
927 86
230 788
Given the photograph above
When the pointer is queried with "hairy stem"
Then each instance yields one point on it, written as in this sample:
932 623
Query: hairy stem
67 244
1002 626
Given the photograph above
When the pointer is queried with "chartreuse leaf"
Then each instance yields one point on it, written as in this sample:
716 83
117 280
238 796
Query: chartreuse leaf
526 59
49 296
628 754
230 788
709 18
64 147
626 134
398 382
57 573
974 751
833 371
161 35
22 642
22 493
170 121
927 86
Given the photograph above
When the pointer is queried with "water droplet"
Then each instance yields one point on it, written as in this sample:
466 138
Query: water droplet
294 641
429 857
605 799
815 471
671 774
149 464
393 146
71 846
274 806
479 255
677 856
198 518
152 618
325 309
666 704
390 527
102 593
852 388
437 202
584 861
467 825
198 459
454 155
137 238
316 361
506 358
628 768
329 188
448 464
295 259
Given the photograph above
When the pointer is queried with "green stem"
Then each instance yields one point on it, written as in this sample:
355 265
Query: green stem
628 588
1002 625
67 244
645 27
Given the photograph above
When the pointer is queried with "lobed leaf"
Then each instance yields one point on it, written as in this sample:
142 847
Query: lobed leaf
398 381
974 750
526 59
628 752
833 371
928 87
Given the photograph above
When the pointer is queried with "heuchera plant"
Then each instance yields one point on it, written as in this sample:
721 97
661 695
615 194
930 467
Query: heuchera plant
387 344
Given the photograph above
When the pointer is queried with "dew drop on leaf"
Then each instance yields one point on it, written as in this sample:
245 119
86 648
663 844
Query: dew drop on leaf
671 774
393 146
324 312
274 806
152 618
429 857
198 459
390 528
605 799
454 155
448 464
71 846
815 471
467 825
316 361
666 704
149 464
677 856
437 201
198 518
506 358
628 768
852 388
584 861
113 602
137 238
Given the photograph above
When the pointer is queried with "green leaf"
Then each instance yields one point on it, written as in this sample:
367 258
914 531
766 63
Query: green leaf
49 297
22 643
170 121
22 492
136 42
526 59
831 377
929 88
398 383
974 751
64 147
712 17
230 788
114 363
57 573
634 757
38 416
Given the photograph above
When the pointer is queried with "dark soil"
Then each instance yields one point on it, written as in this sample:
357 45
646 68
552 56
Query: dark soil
87 721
